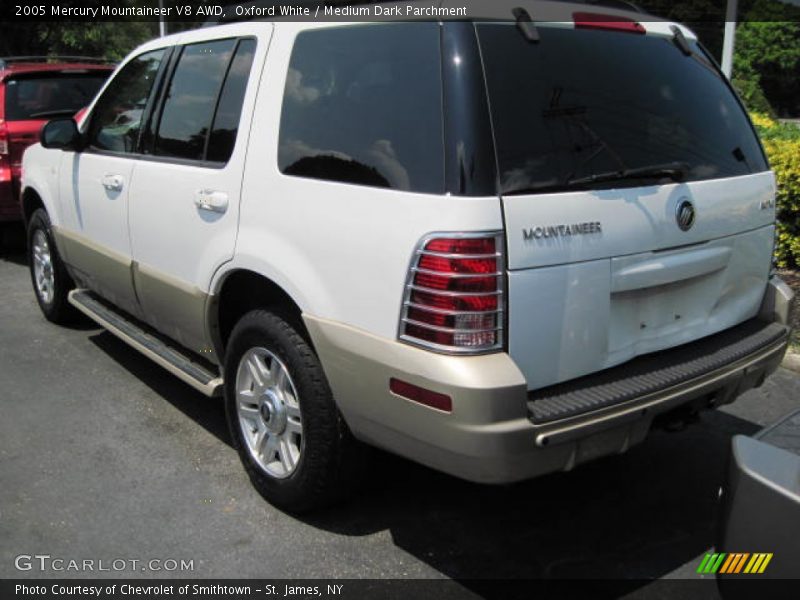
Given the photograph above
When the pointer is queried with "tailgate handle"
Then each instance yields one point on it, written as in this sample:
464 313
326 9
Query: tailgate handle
670 268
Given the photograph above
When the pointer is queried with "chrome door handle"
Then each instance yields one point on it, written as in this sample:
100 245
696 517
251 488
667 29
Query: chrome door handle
113 183
211 200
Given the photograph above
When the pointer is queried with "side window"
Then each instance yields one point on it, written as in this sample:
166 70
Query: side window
229 108
191 99
363 105
117 117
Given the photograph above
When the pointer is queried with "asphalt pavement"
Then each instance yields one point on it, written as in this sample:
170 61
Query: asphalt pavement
104 455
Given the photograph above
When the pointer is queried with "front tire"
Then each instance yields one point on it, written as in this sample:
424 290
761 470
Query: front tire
49 276
290 436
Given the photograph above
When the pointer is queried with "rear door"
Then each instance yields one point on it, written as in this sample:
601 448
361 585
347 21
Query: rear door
184 198
638 203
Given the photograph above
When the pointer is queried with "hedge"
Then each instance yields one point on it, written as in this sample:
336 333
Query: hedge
782 144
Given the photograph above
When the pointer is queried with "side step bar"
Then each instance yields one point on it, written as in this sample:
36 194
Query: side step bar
172 359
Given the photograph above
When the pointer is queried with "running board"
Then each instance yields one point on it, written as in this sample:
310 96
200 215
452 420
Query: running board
171 358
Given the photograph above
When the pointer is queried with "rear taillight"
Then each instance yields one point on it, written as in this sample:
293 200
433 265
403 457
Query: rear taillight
3 139
454 294
586 20
5 167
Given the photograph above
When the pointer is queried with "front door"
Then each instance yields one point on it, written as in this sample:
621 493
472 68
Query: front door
95 184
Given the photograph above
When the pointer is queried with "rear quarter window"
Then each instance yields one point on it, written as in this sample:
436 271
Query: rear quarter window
363 105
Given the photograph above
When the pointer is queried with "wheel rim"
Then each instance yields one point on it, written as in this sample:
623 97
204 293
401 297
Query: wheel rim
43 267
269 412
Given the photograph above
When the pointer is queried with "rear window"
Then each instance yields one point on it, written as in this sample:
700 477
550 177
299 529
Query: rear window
363 105
581 103
50 96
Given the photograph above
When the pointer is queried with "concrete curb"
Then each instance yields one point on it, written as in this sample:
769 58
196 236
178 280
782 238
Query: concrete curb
791 361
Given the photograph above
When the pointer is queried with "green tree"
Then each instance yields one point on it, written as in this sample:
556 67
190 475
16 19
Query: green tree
767 57
765 67
112 40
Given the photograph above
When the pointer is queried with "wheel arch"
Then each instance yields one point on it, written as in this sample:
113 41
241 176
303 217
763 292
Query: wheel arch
241 290
31 201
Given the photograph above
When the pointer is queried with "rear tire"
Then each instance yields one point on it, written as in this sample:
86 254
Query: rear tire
51 282
290 436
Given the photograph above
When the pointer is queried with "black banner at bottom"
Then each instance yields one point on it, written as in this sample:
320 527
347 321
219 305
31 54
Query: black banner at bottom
389 589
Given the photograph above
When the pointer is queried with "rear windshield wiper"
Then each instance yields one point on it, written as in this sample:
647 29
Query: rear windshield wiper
676 171
53 113
525 25
680 41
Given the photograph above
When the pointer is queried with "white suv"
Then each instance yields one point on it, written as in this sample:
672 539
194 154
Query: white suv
500 247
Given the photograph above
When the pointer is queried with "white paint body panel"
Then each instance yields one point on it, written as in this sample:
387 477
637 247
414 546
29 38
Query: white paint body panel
635 219
582 303
341 251
40 172
96 213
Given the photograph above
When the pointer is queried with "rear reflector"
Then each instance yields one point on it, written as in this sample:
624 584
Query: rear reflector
421 395
585 20
453 300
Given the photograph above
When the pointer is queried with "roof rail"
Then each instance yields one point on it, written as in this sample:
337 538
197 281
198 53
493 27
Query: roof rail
6 60
231 15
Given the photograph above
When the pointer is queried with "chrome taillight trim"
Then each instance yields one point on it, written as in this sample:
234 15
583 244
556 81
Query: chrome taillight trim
451 350
427 290
451 329
498 313
448 312
457 275
457 256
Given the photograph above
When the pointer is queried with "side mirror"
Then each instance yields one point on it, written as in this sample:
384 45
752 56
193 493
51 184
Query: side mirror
61 133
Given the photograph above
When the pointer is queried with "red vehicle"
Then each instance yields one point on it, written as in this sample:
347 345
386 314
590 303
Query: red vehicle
34 90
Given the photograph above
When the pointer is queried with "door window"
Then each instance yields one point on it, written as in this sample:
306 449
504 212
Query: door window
229 109
116 120
192 98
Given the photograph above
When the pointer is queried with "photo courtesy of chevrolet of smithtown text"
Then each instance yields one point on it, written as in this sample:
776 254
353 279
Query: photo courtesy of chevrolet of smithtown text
447 299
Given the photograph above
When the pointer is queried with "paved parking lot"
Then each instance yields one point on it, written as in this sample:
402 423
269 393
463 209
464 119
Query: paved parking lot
104 455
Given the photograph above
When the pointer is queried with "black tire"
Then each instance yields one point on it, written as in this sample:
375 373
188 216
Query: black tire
56 308
331 460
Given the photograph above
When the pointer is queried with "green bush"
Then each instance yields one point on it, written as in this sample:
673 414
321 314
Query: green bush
782 143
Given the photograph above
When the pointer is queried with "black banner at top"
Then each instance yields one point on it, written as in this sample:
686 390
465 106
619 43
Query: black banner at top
211 11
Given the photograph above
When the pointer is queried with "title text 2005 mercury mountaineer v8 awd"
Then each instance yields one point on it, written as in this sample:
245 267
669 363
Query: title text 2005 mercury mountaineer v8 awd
498 246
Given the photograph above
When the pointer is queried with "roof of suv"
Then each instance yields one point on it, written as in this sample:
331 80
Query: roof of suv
540 11
43 64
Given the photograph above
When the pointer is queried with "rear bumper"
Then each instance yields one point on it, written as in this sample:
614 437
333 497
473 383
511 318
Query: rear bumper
490 436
